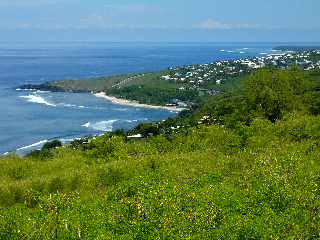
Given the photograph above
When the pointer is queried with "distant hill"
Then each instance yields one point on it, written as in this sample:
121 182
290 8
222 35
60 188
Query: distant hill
186 84
297 48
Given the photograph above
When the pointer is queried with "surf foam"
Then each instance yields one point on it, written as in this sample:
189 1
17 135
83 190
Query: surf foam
34 98
37 99
33 145
105 126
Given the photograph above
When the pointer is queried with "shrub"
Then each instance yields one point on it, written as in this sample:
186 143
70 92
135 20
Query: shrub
42 155
51 145
148 129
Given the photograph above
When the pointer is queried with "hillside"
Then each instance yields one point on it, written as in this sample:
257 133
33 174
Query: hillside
203 185
243 165
186 84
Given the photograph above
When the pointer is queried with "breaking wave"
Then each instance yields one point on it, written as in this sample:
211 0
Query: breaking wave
105 126
37 99
34 145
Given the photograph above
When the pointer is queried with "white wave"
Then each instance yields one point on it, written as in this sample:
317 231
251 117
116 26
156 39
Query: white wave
37 99
67 105
136 120
222 50
79 106
105 126
6 153
133 121
68 140
263 53
242 52
87 125
25 89
41 91
230 51
33 145
120 109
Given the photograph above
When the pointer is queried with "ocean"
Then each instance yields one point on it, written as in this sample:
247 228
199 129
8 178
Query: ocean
30 118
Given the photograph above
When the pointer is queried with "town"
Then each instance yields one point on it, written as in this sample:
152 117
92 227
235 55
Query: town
182 86
204 75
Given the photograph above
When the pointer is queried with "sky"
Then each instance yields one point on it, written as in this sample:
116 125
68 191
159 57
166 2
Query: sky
160 20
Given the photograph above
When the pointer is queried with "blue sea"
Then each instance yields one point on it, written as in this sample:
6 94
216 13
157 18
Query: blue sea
30 118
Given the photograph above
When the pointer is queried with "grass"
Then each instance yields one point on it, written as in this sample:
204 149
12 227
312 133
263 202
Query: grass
255 179
106 83
209 183
146 88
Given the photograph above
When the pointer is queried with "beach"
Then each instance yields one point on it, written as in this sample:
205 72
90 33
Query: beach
62 115
135 103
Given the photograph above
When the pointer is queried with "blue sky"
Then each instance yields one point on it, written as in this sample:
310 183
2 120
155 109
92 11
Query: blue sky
165 20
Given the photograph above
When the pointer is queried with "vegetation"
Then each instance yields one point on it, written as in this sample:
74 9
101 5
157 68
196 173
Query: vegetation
186 84
154 95
297 48
242 165
269 93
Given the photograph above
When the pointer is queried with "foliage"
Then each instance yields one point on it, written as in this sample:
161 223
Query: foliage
258 182
268 93
273 92
51 145
247 172
154 95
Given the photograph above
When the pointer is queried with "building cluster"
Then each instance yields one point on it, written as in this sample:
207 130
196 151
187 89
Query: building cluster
200 76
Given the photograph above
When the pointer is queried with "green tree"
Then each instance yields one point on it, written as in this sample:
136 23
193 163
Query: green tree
51 145
273 92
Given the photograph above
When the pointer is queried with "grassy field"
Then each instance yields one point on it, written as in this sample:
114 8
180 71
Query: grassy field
245 165
207 183
107 83
147 88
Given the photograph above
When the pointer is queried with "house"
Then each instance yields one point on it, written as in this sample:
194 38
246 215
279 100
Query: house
166 77
135 136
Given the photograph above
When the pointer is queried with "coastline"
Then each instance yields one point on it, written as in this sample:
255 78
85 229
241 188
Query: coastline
136 104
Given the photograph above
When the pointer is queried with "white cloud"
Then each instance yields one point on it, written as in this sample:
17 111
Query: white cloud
212 24
99 21
95 20
134 9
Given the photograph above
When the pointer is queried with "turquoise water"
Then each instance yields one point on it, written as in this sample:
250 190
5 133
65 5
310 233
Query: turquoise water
29 118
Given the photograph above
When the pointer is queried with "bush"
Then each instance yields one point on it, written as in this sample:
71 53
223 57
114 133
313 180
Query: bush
42 155
268 93
147 129
273 92
51 145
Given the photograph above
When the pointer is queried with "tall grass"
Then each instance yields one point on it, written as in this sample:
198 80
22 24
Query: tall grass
212 183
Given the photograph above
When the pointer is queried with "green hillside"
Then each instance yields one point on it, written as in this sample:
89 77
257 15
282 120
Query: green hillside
244 164
187 84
